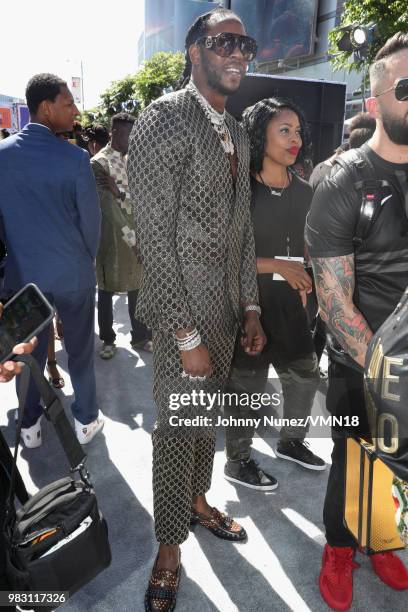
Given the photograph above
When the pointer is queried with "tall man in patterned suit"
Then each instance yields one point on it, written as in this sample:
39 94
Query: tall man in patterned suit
189 180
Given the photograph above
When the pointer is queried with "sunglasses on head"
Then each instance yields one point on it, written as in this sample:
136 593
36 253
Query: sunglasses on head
224 45
400 89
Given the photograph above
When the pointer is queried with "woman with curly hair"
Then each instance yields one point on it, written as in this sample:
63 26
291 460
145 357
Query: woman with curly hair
280 202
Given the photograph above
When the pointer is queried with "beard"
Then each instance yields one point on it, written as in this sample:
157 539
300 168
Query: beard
214 77
396 128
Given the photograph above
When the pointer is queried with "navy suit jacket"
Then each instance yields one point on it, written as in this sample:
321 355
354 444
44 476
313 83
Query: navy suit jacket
49 211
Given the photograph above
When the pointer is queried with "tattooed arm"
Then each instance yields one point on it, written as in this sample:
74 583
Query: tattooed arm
334 277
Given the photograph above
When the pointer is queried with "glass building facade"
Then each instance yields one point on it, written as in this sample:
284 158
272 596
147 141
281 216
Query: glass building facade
292 35
167 22
283 28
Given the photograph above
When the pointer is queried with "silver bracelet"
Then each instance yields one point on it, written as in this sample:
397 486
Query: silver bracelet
253 307
191 344
188 336
190 341
191 336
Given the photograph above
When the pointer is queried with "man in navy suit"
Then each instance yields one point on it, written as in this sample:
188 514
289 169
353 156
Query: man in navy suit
50 214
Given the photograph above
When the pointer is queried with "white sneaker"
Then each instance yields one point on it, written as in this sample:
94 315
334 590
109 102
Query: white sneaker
31 436
85 433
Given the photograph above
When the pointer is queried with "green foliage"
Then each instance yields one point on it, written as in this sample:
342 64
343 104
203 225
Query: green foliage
118 95
94 115
161 71
389 16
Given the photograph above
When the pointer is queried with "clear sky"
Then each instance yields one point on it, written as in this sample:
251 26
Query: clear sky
53 36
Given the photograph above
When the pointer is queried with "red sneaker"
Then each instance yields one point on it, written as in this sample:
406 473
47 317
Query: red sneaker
336 576
391 570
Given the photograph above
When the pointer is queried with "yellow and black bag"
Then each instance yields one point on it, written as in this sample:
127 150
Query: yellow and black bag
369 510
386 390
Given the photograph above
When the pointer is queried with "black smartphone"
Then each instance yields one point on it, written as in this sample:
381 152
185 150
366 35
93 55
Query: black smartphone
24 316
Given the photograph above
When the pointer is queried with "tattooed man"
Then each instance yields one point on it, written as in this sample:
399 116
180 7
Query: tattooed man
358 287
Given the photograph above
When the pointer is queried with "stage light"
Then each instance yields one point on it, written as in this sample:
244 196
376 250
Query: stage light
362 36
344 44
357 38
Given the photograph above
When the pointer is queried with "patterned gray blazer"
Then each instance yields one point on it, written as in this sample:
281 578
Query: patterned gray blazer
193 226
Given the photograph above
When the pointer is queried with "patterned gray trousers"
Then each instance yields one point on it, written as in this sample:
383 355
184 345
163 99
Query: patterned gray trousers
183 456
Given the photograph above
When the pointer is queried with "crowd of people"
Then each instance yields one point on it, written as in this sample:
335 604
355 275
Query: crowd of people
220 245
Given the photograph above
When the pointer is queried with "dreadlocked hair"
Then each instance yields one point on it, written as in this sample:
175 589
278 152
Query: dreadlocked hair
198 29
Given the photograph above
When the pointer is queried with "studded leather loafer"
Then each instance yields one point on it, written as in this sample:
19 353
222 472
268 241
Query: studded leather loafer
162 590
219 524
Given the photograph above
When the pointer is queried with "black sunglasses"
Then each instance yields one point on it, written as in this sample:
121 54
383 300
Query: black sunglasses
224 45
400 89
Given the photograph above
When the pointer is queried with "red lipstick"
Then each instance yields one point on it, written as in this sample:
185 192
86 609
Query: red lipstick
294 151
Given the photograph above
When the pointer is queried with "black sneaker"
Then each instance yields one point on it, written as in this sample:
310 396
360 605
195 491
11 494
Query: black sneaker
249 474
298 451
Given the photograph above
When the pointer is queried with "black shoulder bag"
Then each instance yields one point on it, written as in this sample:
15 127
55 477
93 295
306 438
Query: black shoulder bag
361 172
58 540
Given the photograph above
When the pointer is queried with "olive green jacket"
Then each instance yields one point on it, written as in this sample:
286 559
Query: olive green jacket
117 266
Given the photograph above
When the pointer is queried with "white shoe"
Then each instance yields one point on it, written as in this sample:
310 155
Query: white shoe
31 436
85 433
